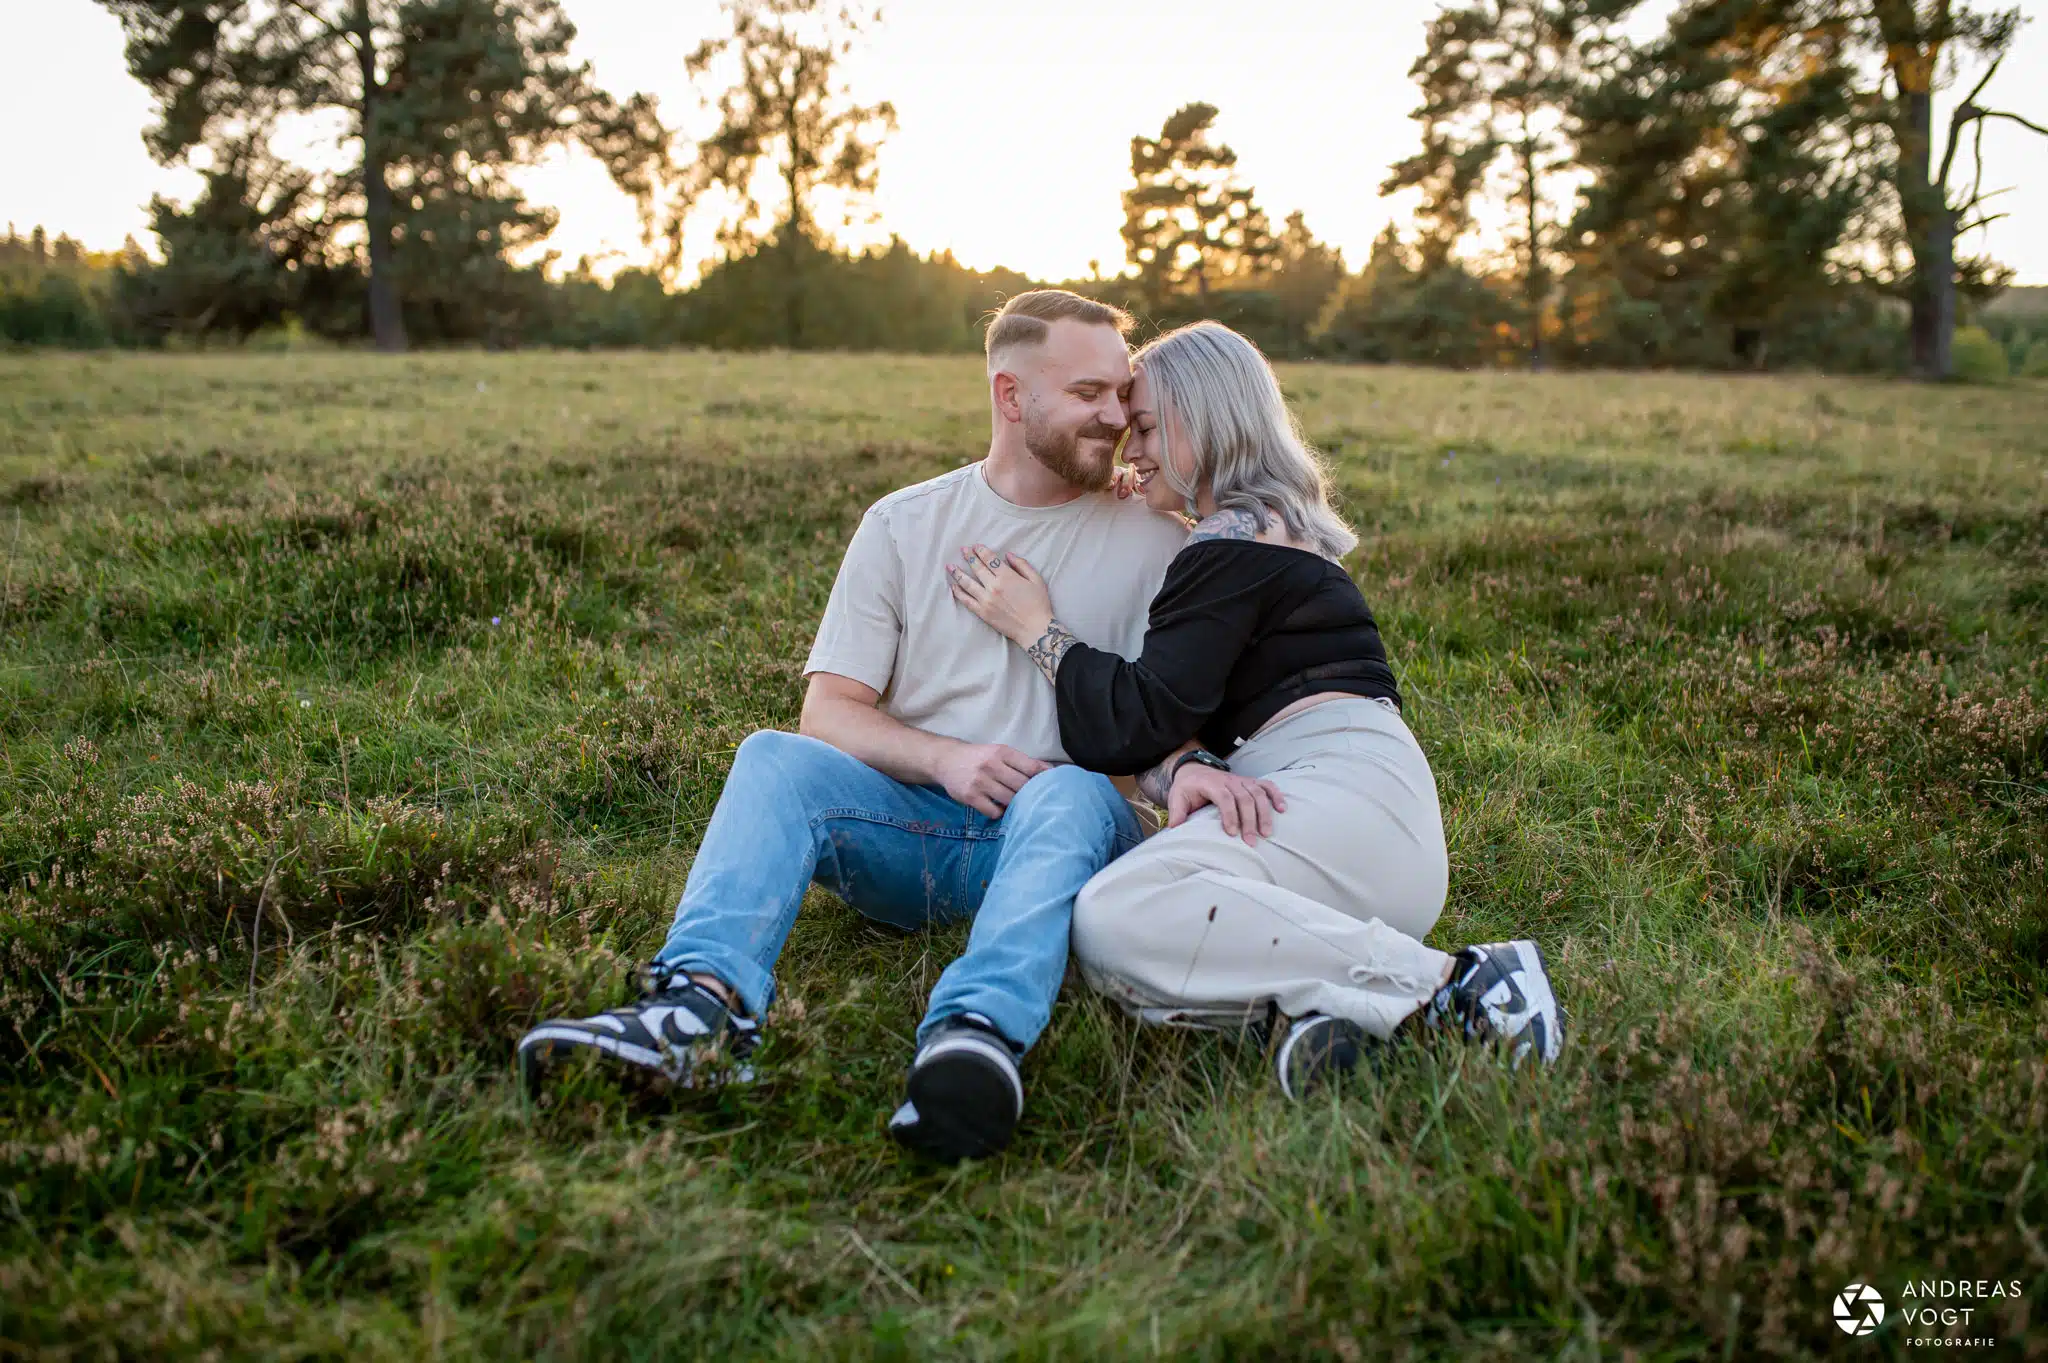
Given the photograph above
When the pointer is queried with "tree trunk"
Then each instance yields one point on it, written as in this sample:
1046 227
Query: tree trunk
1930 228
792 288
1533 283
387 323
1934 299
792 248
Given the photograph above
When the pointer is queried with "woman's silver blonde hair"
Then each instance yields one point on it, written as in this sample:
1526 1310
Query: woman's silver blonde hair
1222 395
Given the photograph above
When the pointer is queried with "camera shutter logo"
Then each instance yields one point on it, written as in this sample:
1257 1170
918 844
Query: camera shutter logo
1859 1310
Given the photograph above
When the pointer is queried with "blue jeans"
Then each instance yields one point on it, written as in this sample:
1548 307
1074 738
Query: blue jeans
796 810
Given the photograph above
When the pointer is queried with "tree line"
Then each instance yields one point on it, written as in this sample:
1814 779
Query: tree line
1754 184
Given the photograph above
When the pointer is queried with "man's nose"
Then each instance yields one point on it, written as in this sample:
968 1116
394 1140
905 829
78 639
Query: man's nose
1112 413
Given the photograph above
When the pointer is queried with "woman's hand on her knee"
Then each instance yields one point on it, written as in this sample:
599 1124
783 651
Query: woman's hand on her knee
1244 803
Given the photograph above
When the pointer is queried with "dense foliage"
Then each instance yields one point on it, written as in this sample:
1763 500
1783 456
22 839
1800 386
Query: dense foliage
438 100
1732 184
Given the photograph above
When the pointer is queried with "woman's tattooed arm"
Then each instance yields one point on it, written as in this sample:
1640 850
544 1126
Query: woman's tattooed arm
1156 783
1231 523
1050 648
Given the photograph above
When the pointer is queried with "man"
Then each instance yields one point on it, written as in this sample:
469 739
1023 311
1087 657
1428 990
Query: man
927 783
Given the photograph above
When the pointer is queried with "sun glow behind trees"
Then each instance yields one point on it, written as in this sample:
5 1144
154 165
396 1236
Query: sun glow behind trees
1525 101
1070 81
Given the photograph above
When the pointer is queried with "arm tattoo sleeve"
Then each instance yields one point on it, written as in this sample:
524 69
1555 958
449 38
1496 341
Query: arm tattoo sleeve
1050 648
1154 783
1231 523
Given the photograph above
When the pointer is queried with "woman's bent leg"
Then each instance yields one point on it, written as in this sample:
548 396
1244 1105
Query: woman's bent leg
1326 916
1169 934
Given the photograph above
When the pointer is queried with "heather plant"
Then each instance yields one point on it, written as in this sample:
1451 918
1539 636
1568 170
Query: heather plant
356 714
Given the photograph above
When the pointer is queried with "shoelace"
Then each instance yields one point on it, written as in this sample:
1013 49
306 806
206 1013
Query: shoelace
1400 979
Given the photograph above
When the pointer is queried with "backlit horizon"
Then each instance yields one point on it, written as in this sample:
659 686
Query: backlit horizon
1015 124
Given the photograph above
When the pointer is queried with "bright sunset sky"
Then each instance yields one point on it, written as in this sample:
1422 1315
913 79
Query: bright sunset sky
1015 119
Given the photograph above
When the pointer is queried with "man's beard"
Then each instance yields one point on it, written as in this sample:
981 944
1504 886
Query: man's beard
1060 451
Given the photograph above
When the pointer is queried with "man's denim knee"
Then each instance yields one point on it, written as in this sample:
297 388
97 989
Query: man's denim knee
1070 795
787 755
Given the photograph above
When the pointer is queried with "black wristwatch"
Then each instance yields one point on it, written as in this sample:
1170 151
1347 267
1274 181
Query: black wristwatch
1200 757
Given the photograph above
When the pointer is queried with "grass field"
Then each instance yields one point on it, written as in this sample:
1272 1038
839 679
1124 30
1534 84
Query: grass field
358 712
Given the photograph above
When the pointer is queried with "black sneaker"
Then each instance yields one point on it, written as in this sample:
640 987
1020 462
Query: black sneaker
670 1032
965 1095
1317 1048
1501 992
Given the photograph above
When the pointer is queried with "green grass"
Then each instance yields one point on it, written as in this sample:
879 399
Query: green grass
355 713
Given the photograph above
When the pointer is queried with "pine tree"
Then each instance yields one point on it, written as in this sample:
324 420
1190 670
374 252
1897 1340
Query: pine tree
1763 152
1188 220
1305 273
1726 161
1923 45
788 108
1494 76
441 98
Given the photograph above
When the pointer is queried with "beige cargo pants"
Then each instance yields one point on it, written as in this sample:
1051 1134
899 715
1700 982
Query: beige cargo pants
1195 928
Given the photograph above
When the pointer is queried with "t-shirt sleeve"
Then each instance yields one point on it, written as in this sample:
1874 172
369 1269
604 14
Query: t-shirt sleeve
1123 716
863 619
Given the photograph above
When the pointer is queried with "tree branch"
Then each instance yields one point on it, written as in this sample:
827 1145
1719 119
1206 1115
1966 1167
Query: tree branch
1976 156
1976 199
2026 123
1965 111
1975 223
323 21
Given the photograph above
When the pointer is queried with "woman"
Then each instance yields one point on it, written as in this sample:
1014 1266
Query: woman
1261 661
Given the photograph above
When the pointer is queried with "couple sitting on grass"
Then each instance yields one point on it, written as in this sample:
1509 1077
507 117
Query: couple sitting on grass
1005 639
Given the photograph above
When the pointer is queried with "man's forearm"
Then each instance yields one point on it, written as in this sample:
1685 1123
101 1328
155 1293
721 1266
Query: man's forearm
882 741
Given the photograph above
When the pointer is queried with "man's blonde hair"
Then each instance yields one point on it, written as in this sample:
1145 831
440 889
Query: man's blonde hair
1027 318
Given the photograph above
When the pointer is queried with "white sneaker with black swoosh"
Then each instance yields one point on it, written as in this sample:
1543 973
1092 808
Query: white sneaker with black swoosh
672 1032
1501 992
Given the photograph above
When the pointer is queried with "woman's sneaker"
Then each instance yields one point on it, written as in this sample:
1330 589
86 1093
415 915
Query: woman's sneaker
678 1031
964 1096
1501 992
1315 1049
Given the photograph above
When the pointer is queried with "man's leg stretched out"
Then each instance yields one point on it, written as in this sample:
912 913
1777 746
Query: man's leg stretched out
796 810
964 1095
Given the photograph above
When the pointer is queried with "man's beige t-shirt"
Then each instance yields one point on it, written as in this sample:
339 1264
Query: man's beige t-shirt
892 622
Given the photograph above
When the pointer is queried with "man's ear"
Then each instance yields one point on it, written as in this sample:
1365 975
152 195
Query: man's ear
1008 393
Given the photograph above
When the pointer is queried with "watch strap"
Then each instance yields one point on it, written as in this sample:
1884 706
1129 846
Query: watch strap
1200 756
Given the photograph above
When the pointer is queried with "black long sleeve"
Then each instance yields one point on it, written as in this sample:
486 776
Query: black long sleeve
1121 716
1231 635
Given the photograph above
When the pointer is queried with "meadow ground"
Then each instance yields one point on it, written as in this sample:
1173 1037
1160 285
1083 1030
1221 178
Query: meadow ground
357 712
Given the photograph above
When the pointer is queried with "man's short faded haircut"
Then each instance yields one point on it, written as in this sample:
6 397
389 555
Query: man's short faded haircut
1027 318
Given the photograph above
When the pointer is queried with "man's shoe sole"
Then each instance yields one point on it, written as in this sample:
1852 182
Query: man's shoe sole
1335 1050
635 1064
967 1107
541 1047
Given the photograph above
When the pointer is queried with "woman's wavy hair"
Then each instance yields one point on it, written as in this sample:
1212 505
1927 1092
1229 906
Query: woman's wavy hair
1222 395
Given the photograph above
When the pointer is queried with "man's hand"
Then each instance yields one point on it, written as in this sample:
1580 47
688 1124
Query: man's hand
987 776
1245 804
